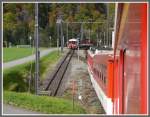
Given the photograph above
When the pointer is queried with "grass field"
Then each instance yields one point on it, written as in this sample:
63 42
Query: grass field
16 78
10 54
14 53
44 104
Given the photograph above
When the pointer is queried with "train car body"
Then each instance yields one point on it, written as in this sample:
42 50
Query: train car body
119 77
99 65
72 44
86 43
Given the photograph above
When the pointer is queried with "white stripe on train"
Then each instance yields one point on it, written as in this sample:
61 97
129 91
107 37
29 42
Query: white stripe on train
105 101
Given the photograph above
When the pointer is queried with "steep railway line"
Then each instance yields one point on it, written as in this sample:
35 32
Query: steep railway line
56 77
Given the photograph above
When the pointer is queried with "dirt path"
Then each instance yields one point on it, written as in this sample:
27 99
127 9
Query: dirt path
9 109
78 73
26 59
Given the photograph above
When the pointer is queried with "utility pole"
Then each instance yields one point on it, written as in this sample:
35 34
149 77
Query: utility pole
60 29
104 43
89 35
50 40
37 50
90 28
81 32
97 40
100 39
67 32
61 33
72 31
57 24
30 41
63 41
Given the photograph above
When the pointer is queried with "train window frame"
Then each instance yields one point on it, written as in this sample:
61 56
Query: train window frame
104 79
102 76
99 74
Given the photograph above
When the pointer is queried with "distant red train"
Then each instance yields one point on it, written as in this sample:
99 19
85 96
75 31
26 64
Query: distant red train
119 76
72 44
86 43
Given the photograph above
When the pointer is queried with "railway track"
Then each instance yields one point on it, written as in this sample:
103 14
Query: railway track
57 76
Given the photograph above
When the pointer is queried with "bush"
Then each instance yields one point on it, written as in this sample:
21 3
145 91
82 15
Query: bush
17 78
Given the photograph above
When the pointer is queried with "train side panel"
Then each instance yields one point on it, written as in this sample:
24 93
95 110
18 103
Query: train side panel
99 66
144 62
121 82
132 41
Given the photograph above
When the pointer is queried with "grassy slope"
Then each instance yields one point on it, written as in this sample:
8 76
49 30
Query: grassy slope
15 79
44 104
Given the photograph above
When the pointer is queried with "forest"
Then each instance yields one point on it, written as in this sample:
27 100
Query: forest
19 19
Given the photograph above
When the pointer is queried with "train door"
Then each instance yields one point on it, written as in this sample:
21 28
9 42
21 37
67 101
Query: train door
131 81
119 83
121 80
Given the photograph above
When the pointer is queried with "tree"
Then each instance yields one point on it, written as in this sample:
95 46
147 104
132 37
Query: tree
19 20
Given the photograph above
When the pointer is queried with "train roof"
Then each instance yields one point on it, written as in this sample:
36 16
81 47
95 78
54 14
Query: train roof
73 39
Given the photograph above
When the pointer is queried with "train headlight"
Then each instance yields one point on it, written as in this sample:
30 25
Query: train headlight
80 97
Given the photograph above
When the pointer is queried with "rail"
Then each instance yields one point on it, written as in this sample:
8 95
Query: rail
57 76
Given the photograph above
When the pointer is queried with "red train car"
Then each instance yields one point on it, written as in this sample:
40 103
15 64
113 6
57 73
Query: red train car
119 77
86 43
72 44
99 66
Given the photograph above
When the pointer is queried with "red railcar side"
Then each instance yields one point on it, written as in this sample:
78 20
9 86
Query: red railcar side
144 62
100 68
121 84
131 41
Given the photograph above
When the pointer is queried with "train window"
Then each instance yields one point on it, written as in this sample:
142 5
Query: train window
100 75
104 80
94 71
97 73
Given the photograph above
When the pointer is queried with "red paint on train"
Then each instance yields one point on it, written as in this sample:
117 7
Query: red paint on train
120 76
